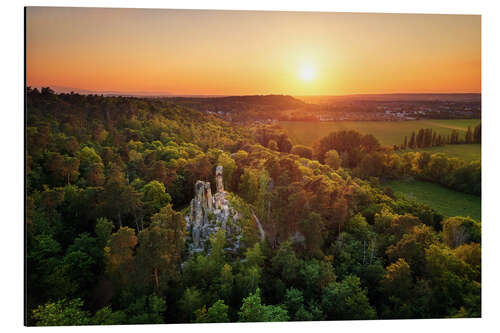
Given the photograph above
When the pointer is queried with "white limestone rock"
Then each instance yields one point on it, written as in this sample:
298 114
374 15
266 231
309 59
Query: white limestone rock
208 213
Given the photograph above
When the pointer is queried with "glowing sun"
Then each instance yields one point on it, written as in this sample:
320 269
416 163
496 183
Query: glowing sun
307 73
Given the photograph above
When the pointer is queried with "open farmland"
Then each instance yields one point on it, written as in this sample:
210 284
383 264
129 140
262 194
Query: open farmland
445 201
388 132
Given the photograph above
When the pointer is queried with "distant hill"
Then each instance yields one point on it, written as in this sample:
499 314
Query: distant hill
242 108
279 101
67 90
473 97
285 101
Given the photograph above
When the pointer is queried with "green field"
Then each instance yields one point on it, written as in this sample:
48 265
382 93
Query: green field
443 200
388 132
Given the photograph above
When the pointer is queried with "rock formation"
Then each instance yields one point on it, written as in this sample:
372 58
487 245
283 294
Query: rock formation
218 178
208 213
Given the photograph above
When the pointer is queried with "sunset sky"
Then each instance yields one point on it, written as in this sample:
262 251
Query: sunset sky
236 53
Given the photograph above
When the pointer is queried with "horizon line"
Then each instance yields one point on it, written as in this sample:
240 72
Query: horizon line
83 91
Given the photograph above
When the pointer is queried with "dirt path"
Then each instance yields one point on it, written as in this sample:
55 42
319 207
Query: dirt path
262 233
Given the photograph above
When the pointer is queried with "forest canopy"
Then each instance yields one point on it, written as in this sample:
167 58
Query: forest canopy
109 181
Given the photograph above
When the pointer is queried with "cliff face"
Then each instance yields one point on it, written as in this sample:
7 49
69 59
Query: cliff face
208 213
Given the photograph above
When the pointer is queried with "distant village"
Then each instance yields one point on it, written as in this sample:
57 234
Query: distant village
397 111
255 111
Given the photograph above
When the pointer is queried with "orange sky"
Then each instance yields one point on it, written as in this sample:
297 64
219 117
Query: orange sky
236 53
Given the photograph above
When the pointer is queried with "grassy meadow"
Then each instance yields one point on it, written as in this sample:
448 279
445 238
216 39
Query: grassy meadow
388 132
447 202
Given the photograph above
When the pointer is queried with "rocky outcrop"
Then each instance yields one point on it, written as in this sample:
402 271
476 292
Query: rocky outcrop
218 178
208 213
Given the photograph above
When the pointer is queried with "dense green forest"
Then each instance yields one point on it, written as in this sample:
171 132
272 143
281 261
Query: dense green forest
109 181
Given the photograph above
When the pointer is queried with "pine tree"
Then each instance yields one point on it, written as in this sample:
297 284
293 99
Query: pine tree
477 134
428 137
412 141
454 137
160 246
468 135
420 138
